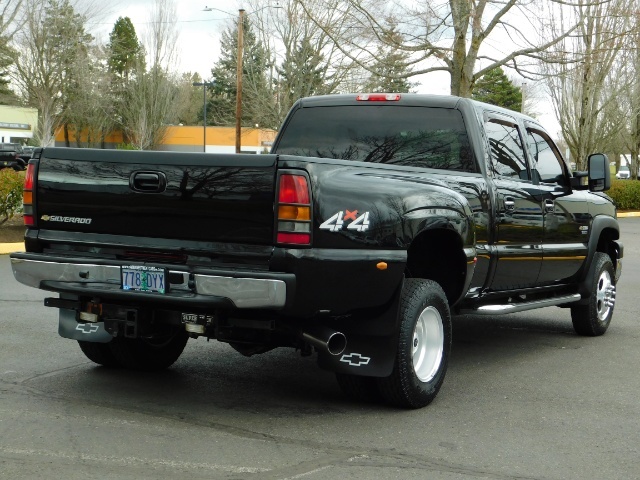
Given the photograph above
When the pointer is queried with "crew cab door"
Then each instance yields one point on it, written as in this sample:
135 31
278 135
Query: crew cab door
566 214
519 221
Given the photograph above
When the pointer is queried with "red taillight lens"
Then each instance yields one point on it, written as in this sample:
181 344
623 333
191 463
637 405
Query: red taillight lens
294 238
293 210
27 196
378 97
293 189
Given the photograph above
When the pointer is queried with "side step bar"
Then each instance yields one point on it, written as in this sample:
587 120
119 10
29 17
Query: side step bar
520 307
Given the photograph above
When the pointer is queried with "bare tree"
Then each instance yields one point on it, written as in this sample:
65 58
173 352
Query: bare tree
585 94
46 48
630 65
461 37
150 99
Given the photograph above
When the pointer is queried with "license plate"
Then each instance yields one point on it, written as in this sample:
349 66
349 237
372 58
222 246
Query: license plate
141 278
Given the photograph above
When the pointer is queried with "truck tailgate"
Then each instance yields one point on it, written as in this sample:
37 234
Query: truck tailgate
186 196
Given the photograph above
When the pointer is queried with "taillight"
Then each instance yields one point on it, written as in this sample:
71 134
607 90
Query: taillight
378 97
293 210
27 195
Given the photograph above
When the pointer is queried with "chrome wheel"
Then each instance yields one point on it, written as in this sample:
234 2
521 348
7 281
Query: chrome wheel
427 344
605 295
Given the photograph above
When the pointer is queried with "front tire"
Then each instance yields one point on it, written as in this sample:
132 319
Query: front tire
424 345
593 318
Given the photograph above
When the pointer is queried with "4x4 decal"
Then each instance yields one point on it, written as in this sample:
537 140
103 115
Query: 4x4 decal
336 222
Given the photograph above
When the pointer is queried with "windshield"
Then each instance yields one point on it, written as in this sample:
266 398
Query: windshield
410 136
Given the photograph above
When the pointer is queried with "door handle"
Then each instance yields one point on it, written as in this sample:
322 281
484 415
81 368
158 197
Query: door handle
148 182
549 206
509 204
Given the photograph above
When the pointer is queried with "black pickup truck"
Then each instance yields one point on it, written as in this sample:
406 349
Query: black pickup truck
372 221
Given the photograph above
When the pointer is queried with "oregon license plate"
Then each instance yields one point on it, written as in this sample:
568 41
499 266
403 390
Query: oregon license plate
141 278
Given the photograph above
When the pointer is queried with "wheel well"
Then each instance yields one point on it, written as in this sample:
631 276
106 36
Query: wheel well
438 255
606 243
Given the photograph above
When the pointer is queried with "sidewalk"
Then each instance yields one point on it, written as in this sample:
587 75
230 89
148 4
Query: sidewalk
6 248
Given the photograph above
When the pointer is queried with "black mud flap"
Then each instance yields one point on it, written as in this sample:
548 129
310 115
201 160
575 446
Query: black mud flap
68 327
365 355
372 343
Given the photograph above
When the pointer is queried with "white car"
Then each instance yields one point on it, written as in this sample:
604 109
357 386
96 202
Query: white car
623 173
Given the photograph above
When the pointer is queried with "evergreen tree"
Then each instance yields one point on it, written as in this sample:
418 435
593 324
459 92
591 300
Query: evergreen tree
302 73
126 54
389 65
221 106
494 87
7 97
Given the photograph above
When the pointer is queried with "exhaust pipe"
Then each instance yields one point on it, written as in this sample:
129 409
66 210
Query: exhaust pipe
326 339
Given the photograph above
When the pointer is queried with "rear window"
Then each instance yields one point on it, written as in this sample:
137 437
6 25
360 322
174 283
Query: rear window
409 136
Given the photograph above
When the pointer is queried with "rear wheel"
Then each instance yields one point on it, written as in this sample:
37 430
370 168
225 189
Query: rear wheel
593 318
153 353
99 353
424 345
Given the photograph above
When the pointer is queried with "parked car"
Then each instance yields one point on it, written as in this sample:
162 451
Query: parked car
623 173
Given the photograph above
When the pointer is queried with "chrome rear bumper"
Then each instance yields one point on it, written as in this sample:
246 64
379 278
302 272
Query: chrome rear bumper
96 279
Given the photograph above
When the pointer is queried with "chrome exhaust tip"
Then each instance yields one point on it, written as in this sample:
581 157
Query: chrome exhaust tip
326 339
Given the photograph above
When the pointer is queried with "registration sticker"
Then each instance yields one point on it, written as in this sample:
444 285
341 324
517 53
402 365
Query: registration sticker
141 278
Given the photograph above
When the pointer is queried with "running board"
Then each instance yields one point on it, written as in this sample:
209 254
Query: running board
520 307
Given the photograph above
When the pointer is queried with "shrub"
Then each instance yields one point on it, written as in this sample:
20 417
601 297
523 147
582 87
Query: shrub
626 194
11 183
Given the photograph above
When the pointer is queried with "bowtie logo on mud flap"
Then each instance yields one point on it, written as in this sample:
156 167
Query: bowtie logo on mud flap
87 328
355 359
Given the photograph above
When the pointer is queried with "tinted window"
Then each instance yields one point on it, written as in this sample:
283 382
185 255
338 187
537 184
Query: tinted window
507 152
411 136
547 162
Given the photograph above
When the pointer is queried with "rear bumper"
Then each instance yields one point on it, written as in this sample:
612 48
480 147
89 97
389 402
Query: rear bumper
86 278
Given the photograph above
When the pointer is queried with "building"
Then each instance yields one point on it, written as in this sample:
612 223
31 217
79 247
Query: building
181 138
17 124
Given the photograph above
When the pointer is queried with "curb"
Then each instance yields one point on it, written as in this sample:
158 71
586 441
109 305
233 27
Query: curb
6 248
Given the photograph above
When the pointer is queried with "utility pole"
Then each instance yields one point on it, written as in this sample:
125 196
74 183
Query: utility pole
239 80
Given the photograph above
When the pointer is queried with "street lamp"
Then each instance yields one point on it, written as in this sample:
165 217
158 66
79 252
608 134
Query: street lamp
204 86
239 60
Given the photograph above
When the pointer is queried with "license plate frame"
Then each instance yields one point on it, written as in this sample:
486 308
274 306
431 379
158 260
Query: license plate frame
143 278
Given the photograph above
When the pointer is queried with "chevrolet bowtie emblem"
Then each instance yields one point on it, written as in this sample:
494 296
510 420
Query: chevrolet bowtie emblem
87 328
355 359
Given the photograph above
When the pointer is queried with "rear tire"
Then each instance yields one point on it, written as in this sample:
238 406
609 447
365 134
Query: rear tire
149 354
424 345
593 318
99 353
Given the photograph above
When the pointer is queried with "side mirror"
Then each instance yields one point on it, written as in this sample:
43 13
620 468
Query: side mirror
599 172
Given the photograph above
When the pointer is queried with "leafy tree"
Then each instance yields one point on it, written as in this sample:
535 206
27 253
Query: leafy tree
494 87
